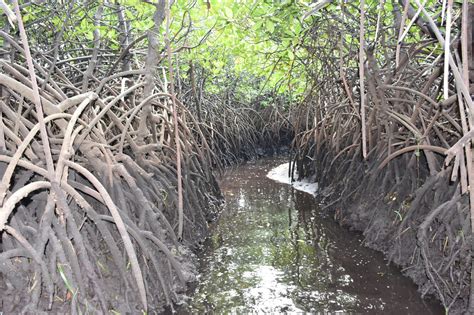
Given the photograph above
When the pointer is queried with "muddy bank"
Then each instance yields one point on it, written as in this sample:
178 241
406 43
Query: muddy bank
387 133
273 250
419 221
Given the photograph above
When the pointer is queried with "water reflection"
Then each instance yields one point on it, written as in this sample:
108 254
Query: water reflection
271 251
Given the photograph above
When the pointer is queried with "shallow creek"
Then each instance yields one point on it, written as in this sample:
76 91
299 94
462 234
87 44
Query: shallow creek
272 251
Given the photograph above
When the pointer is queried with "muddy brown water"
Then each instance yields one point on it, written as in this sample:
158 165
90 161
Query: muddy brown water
273 251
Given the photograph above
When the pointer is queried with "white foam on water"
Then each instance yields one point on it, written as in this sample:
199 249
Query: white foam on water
280 174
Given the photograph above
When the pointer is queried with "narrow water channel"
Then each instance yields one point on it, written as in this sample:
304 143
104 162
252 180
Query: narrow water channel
272 251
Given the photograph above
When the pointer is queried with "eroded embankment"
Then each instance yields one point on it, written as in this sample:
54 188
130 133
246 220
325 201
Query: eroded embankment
419 221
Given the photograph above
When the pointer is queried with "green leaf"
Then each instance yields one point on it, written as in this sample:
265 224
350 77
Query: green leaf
228 13
129 14
296 27
89 35
291 55
65 280
270 26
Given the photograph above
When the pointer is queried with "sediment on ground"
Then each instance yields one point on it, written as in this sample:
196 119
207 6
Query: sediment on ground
417 220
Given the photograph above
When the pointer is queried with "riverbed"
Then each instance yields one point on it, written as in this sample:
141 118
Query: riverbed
273 251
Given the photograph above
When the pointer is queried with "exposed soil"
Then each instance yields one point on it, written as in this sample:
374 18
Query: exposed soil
418 221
